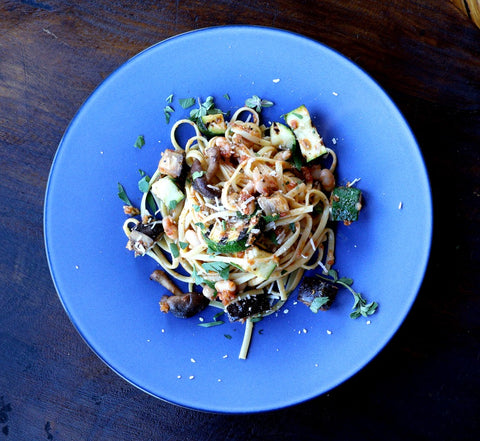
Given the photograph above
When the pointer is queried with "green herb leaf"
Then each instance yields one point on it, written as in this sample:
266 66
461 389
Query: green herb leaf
172 205
174 250
332 273
196 208
346 280
225 247
169 98
226 96
210 324
227 336
292 227
201 225
198 280
183 245
218 314
271 218
197 174
152 206
123 195
360 306
140 142
221 268
255 102
168 110
186 102
144 184
318 302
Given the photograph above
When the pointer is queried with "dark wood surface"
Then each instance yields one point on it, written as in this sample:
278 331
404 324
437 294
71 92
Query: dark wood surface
424 385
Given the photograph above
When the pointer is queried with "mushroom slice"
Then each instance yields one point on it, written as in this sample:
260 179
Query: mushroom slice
185 305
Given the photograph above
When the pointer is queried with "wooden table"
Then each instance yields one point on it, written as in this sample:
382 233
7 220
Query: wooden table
424 385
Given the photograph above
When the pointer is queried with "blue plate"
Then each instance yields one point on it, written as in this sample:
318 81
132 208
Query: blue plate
107 294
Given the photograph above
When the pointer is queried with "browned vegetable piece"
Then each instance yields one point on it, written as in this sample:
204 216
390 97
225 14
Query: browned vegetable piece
171 163
185 305
162 278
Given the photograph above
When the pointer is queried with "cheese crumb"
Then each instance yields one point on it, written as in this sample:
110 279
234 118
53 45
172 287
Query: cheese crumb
285 311
335 93
225 356
276 80
400 205
329 332
179 376
191 377
192 360
368 322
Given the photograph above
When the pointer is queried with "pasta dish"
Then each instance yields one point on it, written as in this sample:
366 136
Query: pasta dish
239 213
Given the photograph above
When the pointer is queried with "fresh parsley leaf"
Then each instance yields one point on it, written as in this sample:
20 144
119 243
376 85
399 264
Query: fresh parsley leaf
199 280
123 195
221 268
169 98
183 245
227 336
173 204
255 102
140 142
196 208
174 250
292 227
186 102
168 110
144 184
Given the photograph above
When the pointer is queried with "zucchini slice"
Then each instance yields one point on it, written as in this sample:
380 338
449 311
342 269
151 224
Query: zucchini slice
345 203
311 143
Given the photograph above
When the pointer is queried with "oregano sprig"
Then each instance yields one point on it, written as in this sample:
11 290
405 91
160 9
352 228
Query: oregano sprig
360 306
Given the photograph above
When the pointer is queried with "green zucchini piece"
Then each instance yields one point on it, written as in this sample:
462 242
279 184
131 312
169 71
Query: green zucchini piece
282 136
311 143
345 203
212 125
260 262
168 192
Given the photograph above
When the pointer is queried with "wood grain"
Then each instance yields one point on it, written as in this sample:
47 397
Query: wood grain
424 385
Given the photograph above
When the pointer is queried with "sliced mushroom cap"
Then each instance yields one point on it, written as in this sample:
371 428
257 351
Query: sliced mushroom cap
200 183
185 305
143 237
314 287
247 306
